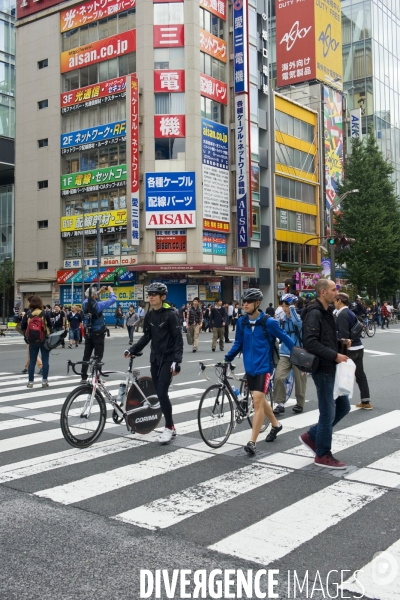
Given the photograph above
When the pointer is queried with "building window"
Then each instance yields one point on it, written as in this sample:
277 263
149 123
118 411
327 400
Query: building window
289 253
169 149
99 30
212 110
43 224
117 67
169 58
43 184
296 190
169 104
42 266
290 157
211 23
294 221
294 127
43 104
43 63
43 143
212 67
170 13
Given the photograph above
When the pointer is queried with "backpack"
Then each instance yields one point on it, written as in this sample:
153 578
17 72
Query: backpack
35 332
273 342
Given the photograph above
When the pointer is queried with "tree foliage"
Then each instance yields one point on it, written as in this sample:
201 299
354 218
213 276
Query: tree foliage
372 217
9 272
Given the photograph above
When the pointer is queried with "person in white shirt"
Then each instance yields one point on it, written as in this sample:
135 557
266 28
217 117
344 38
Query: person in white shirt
141 313
279 313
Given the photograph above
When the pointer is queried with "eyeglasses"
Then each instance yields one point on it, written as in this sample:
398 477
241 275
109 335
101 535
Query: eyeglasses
248 301
153 294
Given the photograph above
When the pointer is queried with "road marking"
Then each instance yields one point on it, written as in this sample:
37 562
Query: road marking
375 352
23 387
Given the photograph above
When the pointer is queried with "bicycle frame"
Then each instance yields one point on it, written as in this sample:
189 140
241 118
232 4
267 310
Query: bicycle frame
224 383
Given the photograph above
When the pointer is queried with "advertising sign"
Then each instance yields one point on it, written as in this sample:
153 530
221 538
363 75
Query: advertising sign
355 124
88 12
242 191
170 200
328 42
92 181
215 7
240 45
94 137
169 126
213 88
134 147
214 243
169 36
95 52
100 93
333 134
212 45
192 292
215 159
106 219
171 241
169 81
29 7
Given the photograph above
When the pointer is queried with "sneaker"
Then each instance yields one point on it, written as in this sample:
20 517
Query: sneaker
24 371
308 443
194 350
213 349
364 405
45 384
250 448
328 461
30 385
167 436
279 409
273 433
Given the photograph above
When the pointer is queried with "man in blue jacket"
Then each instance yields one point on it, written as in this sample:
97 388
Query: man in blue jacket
257 352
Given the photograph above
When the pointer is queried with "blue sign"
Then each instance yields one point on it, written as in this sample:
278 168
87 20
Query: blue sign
170 192
94 137
214 144
239 47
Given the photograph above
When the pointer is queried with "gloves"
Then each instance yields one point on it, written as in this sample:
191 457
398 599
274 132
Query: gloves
127 353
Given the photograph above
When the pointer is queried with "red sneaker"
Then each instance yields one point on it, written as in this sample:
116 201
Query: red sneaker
308 443
328 461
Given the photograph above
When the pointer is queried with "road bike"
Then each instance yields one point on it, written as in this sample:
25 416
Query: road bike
84 413
393 318
369 327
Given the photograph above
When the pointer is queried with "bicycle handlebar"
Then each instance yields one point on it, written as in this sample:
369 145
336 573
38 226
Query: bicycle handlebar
223 365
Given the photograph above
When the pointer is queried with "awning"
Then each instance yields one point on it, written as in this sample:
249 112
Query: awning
213 269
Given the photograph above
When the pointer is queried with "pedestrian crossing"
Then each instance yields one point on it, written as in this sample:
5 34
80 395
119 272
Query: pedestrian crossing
261 510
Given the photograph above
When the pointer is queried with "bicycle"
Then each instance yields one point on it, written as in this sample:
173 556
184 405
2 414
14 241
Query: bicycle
393 318
216 415
84 412
369 327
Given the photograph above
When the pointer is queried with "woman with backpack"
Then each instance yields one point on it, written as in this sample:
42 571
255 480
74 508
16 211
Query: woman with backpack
36 326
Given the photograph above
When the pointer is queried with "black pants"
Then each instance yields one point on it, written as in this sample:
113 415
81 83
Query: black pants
95 344
227 332
161 376
361 378
385 320
63 342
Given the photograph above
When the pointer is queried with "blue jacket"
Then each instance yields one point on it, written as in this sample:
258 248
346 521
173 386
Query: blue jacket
288 325
98 320
251 341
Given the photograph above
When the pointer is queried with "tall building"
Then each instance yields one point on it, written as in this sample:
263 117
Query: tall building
151 120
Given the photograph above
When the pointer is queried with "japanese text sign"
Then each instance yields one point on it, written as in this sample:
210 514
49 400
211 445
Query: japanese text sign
169 81
106 219
241 170
100 93
171 241
215 168
98 179
170 200
216 7
95 52
213 88
29 7
88 12
212 45
94 137
134 147
169 36
240 46
328 42
169 126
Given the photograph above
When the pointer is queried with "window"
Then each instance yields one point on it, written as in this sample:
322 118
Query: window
43 143
211 23
296 190
294 221
43 63
294 127
212 110
168 13
169 104
43 184
285 155
98 158
211 66
43 224
43 104
169 58
42 266
116 67
288 253
99 30
169 149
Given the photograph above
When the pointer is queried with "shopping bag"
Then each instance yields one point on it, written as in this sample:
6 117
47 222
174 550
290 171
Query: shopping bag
189 338
344 379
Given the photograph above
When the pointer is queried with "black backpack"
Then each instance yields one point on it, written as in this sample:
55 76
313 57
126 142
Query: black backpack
273 342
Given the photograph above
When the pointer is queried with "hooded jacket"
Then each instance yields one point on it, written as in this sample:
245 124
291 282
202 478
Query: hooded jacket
161 328
320 336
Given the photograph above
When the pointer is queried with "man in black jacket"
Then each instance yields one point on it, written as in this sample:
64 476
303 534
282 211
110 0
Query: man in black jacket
320 338
218 318
161 328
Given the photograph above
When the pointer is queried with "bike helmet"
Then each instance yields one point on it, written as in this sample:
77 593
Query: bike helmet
157 288
289 298
252 294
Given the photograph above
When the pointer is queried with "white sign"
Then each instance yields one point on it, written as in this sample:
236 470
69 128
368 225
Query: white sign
138 293
114 261
72 263
202 293
215 194
166 219
192 291
355 124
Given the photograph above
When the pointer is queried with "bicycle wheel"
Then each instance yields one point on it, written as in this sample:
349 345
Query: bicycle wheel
371 329
79 427
363 331
215 416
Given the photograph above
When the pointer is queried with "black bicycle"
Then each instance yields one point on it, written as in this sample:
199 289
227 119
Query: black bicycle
221 409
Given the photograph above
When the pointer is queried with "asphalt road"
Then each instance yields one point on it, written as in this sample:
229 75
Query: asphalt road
85 524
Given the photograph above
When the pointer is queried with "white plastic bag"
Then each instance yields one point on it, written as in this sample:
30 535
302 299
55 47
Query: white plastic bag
344 379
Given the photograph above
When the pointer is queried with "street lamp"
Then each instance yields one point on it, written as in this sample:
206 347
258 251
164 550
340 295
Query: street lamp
332 248
82 210
4 288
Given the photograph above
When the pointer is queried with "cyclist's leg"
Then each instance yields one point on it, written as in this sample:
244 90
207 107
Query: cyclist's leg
300 385
87 353
281 373
161 376
262 408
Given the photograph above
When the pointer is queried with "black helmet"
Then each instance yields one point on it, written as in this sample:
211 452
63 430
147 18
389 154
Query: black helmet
157 288
252 294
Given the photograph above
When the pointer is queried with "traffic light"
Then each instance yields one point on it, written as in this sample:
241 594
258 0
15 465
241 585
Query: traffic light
342 241
116 280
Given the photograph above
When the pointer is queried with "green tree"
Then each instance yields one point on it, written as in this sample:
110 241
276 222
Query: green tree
8 269
372 217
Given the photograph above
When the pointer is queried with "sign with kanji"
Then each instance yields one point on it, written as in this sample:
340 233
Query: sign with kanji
134 146
88 12
111 218
91 95
173 240
170 200
93 181
241 151
94 137
169 36
213 88
169 81
215 169
169 126
96 52
240 45
29 7
216 7
212 45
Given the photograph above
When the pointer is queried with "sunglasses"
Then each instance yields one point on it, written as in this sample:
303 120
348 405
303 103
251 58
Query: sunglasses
153 294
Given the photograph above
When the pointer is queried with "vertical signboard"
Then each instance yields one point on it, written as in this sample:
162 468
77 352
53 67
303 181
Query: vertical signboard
355 124
240 45
241 171
215 159
134 151
333 134
328 42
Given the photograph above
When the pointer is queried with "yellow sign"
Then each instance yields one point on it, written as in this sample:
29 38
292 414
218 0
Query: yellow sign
124 294
328 42
109 218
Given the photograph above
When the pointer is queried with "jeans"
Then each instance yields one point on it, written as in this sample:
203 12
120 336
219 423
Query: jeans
131 329
331 411
162 377
361 378
33 354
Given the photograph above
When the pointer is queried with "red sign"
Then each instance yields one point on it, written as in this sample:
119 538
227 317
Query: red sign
163 1
169 126
213 88
95 52
216 7
169 36
212 225
29 7
88 12
64 275
135 178
169 81
295 47
212 45
170 243
93 94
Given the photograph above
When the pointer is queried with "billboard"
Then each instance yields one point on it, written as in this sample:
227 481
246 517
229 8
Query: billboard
212 45
134 147
171 241
240 44
355 124
169 81
95 52
88 12
170 199
213 88
99 93
333 134
29 7
92 181
309 42
216 8
215 159
94 137
241 153
108 218
169 126
169 36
